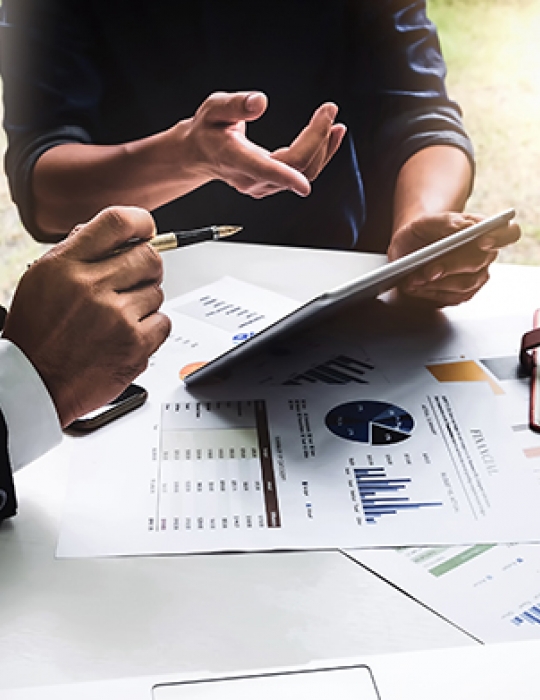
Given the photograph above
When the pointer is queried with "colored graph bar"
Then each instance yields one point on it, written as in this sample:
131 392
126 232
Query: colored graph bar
459 559
504 368
338 370
534 619
373 488
532 616
532 452
273 518
393 485
425 554
463 371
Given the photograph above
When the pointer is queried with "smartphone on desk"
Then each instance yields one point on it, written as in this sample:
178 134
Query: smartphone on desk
130 399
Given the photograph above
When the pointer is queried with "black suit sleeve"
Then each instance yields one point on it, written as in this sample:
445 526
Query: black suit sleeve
8 502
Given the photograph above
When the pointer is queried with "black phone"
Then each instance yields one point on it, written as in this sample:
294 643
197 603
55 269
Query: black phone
130 399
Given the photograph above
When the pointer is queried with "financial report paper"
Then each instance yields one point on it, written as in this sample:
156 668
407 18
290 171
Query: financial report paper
491 591
404 458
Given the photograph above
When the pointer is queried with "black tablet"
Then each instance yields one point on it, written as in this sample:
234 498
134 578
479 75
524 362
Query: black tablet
366 286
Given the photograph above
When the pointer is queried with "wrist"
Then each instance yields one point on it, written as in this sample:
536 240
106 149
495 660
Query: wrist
433 181
168 162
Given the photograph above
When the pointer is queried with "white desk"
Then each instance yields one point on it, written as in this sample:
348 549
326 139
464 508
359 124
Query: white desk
79 620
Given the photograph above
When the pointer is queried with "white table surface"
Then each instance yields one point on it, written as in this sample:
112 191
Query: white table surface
95 619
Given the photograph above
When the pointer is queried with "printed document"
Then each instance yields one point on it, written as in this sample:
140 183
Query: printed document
372 445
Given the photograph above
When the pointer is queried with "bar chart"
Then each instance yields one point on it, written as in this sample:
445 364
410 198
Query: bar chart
340 369
379 494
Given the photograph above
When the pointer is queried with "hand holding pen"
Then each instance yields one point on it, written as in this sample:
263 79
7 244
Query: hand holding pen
87 313
178 239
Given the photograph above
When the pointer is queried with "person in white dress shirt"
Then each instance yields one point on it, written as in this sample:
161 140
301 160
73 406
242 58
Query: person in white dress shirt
84 320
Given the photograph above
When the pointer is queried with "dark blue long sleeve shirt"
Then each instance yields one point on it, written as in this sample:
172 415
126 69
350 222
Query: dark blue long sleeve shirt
111 71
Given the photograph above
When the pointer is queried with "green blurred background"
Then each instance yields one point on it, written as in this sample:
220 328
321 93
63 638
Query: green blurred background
492 49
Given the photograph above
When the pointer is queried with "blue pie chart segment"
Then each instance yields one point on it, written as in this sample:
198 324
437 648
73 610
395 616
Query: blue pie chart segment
370 422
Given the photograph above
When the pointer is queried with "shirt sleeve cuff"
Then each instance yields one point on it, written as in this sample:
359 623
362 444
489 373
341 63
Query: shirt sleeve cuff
33 425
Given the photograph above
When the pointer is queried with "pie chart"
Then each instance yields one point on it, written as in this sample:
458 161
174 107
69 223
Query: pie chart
370 422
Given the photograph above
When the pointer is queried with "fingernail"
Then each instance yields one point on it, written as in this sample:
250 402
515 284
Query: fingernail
435 273
251 102
331 111
487 243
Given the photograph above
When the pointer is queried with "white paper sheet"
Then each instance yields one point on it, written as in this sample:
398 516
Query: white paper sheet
430 460
490 591
302 468
212 319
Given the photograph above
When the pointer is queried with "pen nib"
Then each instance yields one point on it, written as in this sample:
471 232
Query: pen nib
224 231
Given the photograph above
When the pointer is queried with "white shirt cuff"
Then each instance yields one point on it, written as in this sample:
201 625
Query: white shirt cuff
30 414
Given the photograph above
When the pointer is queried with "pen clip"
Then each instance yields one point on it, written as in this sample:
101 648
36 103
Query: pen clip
529 343
528 357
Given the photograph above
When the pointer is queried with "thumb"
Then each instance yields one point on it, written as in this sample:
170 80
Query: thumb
236 106
426 229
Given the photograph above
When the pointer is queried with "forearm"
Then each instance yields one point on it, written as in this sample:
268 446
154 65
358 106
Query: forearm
72 182
434 180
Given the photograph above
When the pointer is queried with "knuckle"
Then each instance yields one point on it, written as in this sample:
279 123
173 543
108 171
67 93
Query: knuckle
164 327
515 233
157 334
154 298
453 221
153 261
247 185
467 285
483 278
214 99
160 295
217 96
148 261
114 219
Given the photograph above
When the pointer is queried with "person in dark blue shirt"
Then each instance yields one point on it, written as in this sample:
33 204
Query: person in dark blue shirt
197 112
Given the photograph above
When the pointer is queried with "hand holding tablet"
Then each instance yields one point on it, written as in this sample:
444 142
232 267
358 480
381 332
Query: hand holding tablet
367 286
461 274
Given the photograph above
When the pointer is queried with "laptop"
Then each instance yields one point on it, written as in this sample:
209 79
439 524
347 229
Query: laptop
466 673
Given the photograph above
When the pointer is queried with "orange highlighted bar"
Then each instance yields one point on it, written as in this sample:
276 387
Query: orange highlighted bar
531 452
464 371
